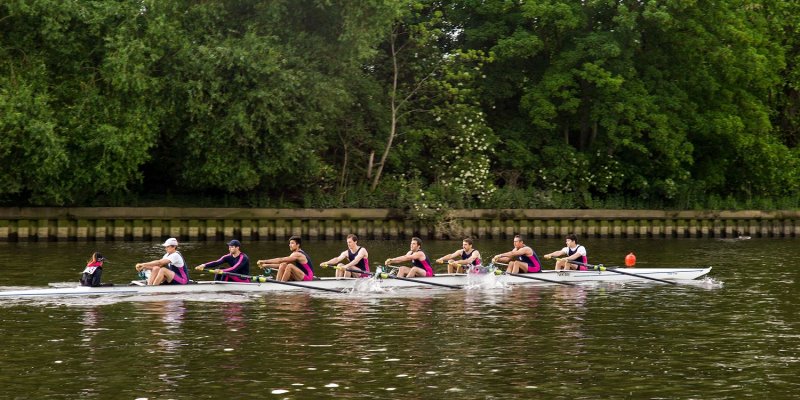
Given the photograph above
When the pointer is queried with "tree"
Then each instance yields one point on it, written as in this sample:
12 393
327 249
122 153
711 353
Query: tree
70 130
430 97
636 93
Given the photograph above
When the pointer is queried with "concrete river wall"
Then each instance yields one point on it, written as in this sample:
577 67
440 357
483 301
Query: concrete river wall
64 224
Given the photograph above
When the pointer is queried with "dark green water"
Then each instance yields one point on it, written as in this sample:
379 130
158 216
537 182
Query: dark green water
731 336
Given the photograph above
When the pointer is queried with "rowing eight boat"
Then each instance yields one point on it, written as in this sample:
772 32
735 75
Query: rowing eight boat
348 284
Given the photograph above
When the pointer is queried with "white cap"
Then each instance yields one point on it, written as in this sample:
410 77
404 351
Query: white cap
171 242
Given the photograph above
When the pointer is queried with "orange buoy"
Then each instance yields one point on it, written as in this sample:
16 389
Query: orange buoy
630 260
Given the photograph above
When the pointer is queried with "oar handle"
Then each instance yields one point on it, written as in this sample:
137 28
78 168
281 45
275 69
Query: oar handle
384 275
497 271
355 270
253 278
264 279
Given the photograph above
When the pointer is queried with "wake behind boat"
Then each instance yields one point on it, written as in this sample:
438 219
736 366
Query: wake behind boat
346 285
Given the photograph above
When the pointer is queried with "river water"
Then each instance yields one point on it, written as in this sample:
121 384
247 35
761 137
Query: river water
732 335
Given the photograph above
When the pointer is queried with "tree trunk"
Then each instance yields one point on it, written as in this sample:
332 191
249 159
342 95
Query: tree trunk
393 100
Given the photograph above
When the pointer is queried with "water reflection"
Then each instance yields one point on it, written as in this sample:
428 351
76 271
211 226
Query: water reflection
165 342
572 301
168 337
234 318
91 321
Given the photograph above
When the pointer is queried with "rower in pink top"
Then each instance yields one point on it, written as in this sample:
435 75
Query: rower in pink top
356 256
522 259
419 260
467 257
296 267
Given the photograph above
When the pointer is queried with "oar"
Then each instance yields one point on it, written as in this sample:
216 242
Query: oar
253 278
600 267
533 277
263 279
385 275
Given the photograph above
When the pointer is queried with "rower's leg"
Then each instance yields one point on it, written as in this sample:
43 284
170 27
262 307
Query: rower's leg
516 267
153 274
403 272
511 267
451 267
167 274
281 272
157 276
289 272
522 267
294 273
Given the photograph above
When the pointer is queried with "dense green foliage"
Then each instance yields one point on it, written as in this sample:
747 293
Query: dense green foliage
406 103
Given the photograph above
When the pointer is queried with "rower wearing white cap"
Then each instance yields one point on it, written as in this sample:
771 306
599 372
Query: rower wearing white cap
169 269
238 264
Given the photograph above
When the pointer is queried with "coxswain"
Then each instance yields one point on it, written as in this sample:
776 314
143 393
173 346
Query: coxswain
94 271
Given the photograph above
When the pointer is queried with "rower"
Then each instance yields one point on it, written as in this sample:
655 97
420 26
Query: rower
94 271
422 265
466 256
169 269
572 252
520 259
238 264
295 267
356 256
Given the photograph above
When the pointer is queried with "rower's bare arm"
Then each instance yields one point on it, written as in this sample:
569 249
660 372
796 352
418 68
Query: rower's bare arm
553 254
453 256
408 257
508 254
499 257
297 257
278 260
152 264
335 260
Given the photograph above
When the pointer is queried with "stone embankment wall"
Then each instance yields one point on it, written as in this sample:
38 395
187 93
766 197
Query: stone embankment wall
64 224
